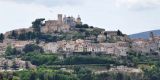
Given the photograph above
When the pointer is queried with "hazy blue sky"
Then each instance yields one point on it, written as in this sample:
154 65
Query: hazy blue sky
130 16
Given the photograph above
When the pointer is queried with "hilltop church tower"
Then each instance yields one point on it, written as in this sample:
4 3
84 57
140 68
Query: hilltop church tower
60 20
152 36
79 20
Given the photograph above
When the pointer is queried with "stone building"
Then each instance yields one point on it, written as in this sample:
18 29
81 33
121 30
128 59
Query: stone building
101 38
62 24
79 20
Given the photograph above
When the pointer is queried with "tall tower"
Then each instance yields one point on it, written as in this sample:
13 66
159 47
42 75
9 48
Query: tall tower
79 20
60 18
151 36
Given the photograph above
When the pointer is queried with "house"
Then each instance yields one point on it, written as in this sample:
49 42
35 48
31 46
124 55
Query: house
20 44
110 50
140 45
51 47
89 47
79 48
111 33
3 47
101 38
70 46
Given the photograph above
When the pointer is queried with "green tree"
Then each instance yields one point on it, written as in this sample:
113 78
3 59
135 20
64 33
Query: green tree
85 74
103 76
119 76
14 65
10 76
119 33
41 76
1 76
37 24
9 51
22 36
40 59
5 65
1 37
32 48
14 34
12 51
33 76
85 26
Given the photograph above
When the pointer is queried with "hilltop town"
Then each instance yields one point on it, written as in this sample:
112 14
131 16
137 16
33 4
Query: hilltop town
68 36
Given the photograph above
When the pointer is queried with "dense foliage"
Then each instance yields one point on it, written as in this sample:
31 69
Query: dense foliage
39 74
1 37
40 58
33 48
12 51
87 60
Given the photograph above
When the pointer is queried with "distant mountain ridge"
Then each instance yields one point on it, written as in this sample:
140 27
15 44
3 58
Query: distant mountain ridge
144 35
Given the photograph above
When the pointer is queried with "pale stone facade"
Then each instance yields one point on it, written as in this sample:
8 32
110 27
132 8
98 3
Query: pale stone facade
101 38
119 48
62 24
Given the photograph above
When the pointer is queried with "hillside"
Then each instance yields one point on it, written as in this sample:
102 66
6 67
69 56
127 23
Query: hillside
144 35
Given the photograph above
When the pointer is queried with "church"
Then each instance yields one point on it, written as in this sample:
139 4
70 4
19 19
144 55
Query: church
62 24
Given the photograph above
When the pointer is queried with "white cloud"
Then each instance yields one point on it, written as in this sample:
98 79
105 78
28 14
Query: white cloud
138 4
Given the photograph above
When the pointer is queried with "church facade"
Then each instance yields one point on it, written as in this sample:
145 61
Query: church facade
62 24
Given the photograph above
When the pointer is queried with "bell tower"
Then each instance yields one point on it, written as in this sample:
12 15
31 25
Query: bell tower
152 36
79 20
60 18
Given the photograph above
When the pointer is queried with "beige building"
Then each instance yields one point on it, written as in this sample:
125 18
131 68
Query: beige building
50 47
101 38
62 24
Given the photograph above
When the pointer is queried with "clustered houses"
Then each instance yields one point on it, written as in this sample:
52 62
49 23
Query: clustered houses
19 45
117 45
16 43
146 45
119 48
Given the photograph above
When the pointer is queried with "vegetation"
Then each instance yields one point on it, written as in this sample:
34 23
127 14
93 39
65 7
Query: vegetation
1 37
12 51
37 24
33 48
39 74
87 60
82 26
40 58
49 66
75 67
119 33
